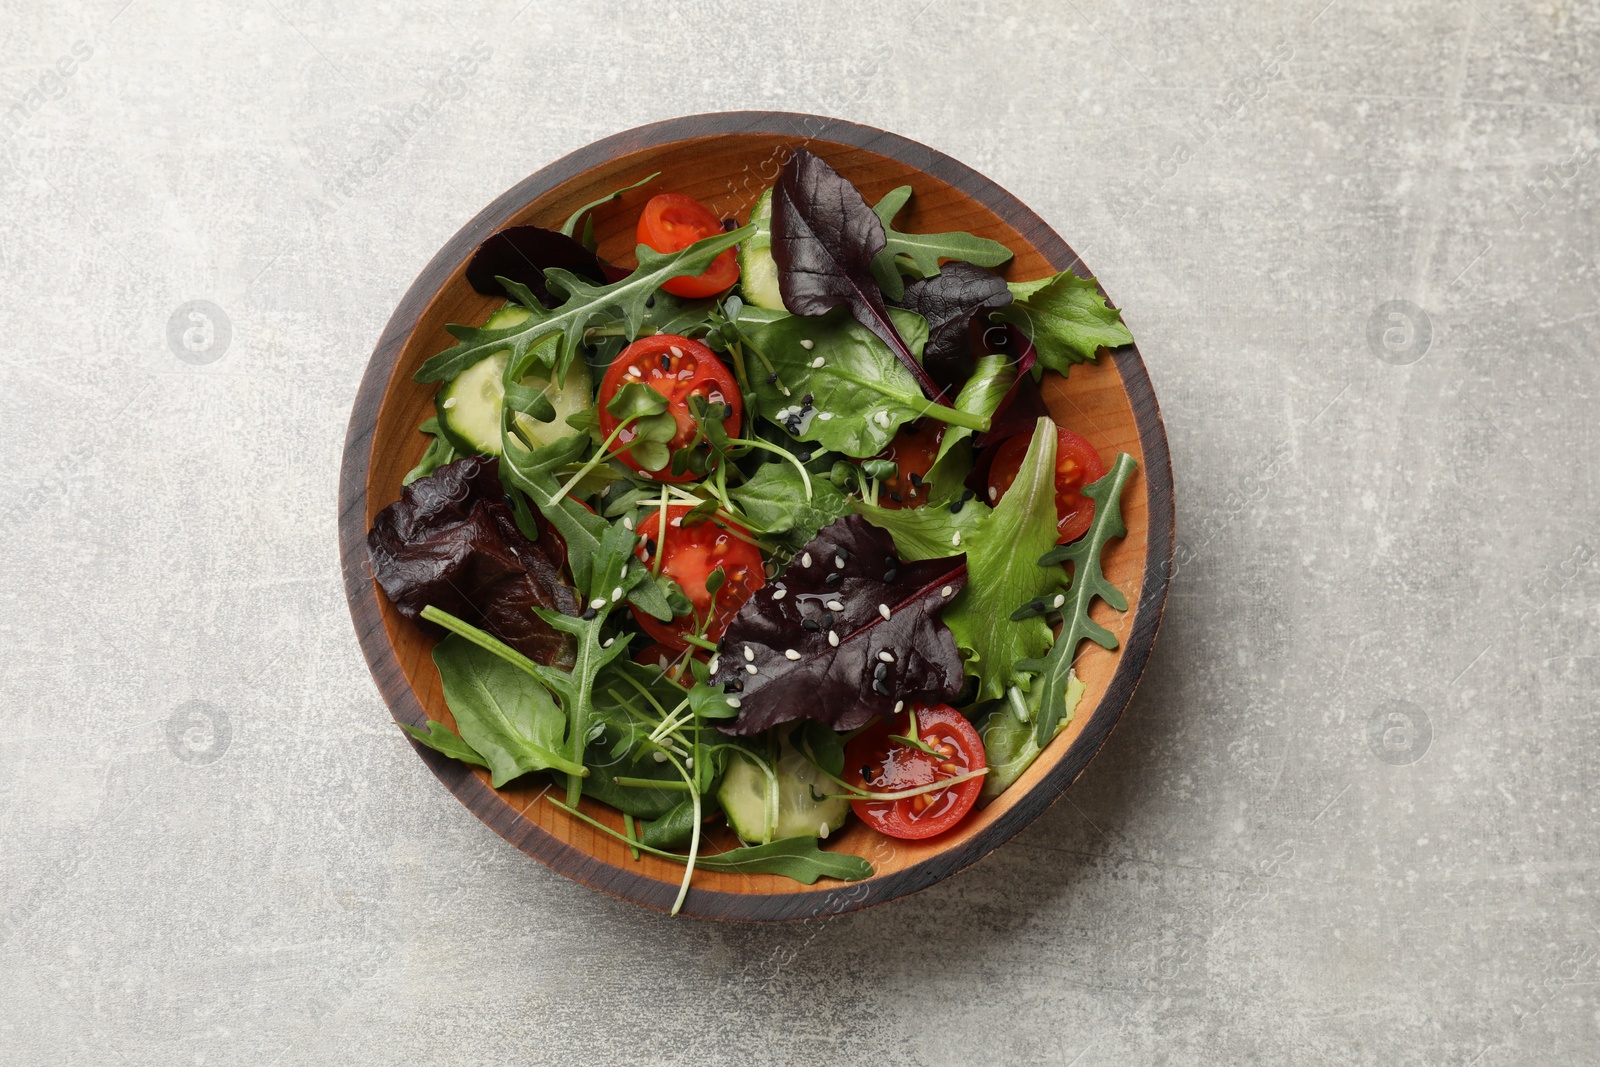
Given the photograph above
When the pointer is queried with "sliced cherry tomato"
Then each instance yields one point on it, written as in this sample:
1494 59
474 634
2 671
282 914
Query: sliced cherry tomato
689 555
1077 464
679 369
671 222
873 760
913 451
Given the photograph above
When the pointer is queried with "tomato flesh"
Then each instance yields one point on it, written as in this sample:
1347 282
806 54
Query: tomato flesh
874 761
688 556
1077 465
672 222
679 369
913 451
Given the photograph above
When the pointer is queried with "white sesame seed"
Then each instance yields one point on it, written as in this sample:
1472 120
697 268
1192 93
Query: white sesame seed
808 344
993 492
733 702
751 667
449 403
616 594
749 654
824 415
712 666
955 538
779 593
947 590
838 561
883 609
822 831
790 653
887 657
899 706
882 419
833 639
633 372
688 761
817 363
627 522
659 757
597 603
608 642
1058 601
676 351
834 605
805 559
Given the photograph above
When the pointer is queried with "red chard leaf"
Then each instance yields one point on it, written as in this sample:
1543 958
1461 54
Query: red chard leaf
451 541
846 632
523 254
949 300
824 237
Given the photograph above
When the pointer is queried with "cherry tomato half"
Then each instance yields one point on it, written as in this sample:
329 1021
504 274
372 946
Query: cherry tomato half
873 761
913 450
689 554
678 369
1077 464
671 222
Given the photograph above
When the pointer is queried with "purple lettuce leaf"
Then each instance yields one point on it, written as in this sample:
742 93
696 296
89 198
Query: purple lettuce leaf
884 607
824 237
523 254
949 300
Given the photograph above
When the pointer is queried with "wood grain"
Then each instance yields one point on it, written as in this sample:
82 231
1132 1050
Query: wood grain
725 161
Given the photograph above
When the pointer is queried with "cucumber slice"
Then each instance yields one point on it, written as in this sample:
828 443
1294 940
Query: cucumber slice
758 271
469 404
744 797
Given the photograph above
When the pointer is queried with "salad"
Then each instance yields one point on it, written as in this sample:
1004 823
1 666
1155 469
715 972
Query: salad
771 531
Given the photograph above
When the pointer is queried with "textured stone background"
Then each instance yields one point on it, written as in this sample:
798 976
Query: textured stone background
1350 815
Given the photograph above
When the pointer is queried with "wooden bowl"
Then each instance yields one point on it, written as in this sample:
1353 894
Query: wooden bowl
725 161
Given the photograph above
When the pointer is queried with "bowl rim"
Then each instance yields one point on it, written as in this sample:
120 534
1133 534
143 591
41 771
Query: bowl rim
486 803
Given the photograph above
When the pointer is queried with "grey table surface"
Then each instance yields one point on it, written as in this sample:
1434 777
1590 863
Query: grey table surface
1349 817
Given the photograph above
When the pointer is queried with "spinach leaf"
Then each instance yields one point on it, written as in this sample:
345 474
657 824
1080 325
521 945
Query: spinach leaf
927 532
824 238
673 829
505 716
1088 582
824 626
439 452
924 250
441 738
1009 743
1066 318
774 504
948 301
1000 556
843 390
584 304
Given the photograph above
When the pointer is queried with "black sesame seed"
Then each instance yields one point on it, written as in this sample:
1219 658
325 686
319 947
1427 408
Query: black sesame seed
827 619
804 457
649 546
666 361
916 479
806 400
880 672
735 686
955 509
833 579
811 624
843 554
896 498
866 774
772 379
891 574
650 302
589 615
968 495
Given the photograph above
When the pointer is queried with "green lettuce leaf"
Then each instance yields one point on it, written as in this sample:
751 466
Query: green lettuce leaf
1009 743
931 532
1003 573
774 504
1066 318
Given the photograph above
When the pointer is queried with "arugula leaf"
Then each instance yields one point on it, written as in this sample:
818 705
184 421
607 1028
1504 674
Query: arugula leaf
439 452
774 504
858 394
1066 318
927 532
505 715
570 227
824 238
984 392
1009 744
799 642
798 858
948 301
441 738
584 304
1000 559
1088 582
924 250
